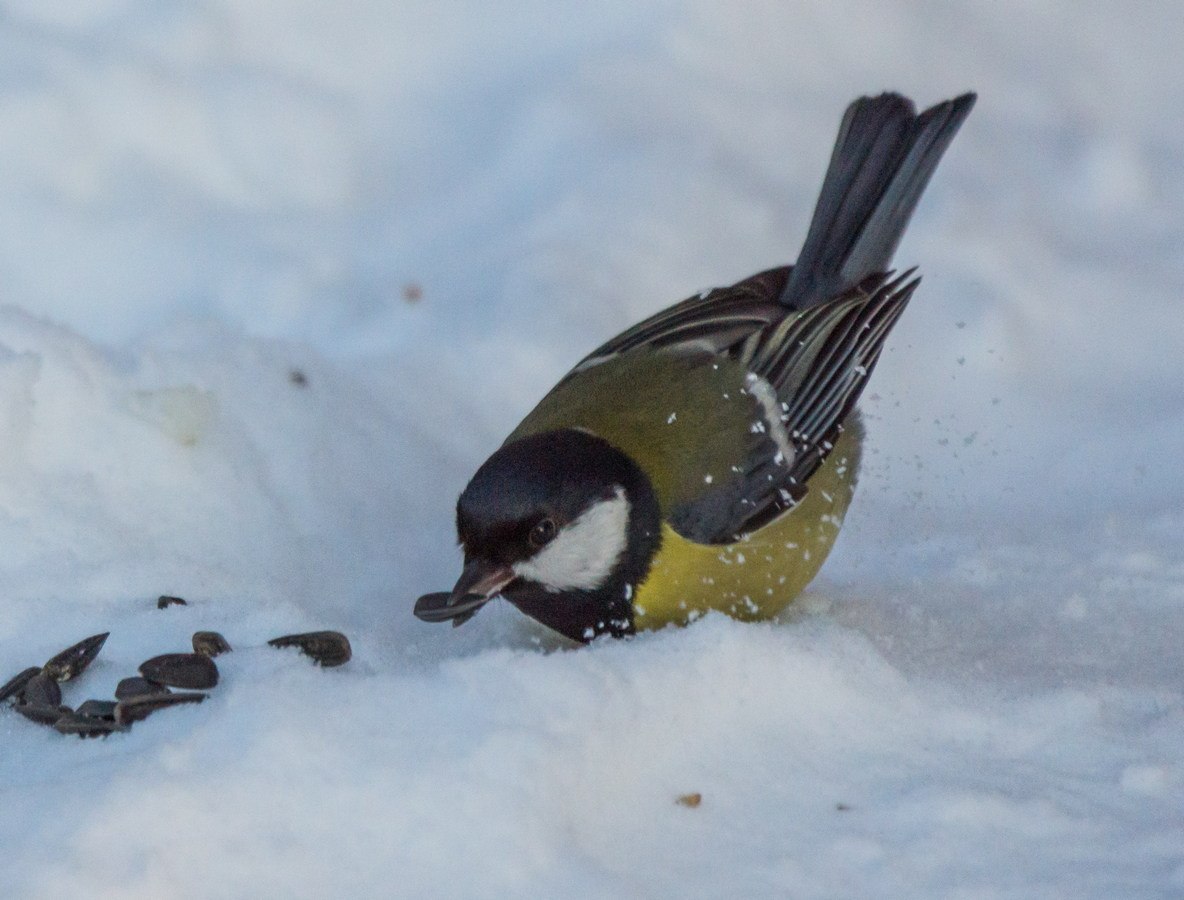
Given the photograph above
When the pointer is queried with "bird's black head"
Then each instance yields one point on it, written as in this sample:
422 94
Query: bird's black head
564 526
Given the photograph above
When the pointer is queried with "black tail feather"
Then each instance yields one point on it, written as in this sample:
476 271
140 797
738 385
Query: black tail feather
883 158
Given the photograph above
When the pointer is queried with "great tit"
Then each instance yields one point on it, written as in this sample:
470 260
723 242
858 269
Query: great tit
704 459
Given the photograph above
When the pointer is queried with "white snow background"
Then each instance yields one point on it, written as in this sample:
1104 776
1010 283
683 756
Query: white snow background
981 696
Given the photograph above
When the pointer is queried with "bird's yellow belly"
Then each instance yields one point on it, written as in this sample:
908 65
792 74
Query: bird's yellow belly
759 576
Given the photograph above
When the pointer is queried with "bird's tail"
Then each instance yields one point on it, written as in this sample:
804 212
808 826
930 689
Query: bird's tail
883 158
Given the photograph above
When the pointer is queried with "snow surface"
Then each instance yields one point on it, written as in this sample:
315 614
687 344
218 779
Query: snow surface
982 696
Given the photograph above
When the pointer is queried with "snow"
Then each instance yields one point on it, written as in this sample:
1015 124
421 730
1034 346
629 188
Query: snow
216 381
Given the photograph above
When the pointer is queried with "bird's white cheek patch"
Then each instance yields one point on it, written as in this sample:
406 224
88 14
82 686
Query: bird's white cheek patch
585 552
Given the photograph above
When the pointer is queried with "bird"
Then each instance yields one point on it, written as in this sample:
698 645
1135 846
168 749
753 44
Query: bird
705 458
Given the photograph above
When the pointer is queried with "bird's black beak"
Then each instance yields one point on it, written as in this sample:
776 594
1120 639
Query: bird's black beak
479 583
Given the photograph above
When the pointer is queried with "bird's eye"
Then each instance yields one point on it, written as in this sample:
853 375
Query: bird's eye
542 533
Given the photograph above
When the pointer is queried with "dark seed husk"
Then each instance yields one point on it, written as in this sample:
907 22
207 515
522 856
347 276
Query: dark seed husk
97 709
327 648
210 643
73 660
164 601
41 691
183 670
442 607
138 687
87 726
17 683
135 709
41 713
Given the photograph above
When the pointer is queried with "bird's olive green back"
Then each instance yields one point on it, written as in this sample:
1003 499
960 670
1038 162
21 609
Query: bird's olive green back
685 418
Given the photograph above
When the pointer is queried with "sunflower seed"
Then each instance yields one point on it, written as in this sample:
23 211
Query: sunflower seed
16 684
73 660
134 709
97 709
327 648
86 726
42 713
210 643
41 691
137 687
183 670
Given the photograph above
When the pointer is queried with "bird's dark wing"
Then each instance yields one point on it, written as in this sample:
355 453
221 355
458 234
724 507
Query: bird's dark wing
814 364
817 363
715 321
800 371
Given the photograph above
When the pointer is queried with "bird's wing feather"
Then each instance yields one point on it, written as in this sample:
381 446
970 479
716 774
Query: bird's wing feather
707 359
818 362
716 321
